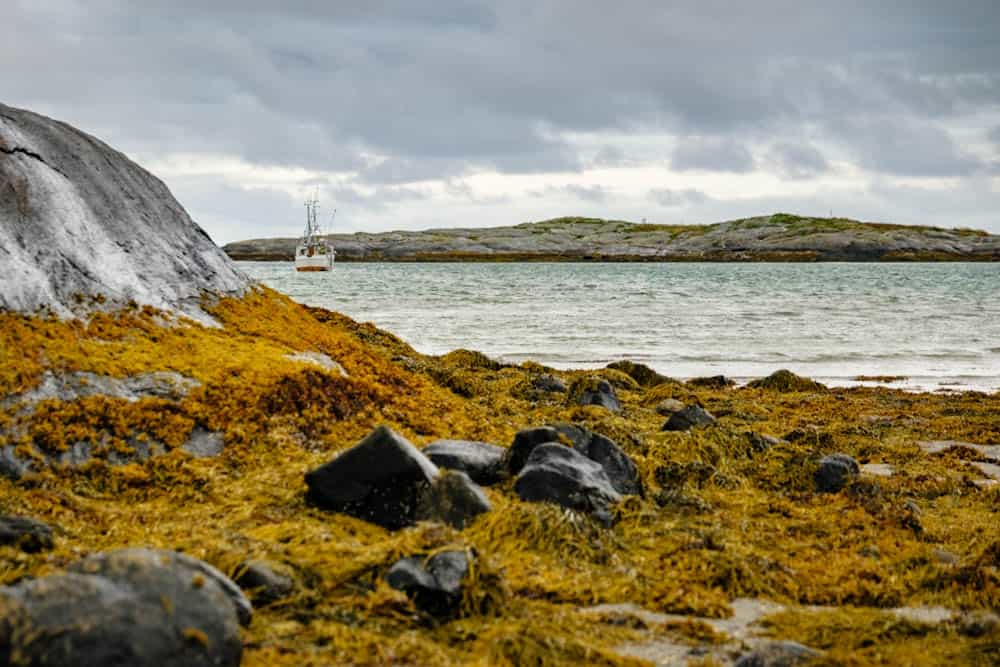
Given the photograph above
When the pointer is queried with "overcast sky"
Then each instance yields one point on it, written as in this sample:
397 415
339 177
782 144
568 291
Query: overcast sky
451 113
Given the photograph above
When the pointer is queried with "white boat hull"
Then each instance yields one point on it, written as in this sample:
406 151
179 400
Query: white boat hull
314 263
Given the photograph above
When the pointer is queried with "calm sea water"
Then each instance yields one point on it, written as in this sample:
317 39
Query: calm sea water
936 324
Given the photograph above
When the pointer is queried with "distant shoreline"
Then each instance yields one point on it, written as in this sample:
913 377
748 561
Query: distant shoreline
776 238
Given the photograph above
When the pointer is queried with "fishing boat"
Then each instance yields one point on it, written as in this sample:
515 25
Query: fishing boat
313 253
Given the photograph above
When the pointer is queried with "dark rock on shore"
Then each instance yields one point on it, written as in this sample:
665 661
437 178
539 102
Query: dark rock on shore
559 474
524 443
712 382
452 498
434 585
619 468
25 533
786 381
688 418
641 373
595 391
548 383
835 471
481 461
128 608
263 582
379 480
778 654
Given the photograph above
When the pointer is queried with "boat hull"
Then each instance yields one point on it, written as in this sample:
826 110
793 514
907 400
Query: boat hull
314 263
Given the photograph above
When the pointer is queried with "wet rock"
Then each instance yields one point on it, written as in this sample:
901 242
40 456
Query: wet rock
596 391
452 498
263 582
26 534
641 373
785 381
378 480
140 566
524 443
835 471
549 383
75 455
481 461
167 385
713 382
559 474
778 654
619 468
689 417
203 444
668 406
134 607
434 585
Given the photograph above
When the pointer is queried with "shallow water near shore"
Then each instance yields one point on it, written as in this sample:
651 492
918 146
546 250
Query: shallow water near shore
936 324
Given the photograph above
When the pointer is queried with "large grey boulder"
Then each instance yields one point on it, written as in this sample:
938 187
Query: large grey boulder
79 219
524 443
381 480
127 608
617 465
481 461
561 475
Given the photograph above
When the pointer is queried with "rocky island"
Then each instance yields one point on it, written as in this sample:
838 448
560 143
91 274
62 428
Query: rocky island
195 470
774 238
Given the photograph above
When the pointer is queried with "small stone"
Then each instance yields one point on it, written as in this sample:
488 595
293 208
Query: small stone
597 391
203 443
835 471
688 418
669 406
263 582
760 442
559 474
944 557
713 382
549 383
481 461
435 586
378 480
25 533
777 654
452 498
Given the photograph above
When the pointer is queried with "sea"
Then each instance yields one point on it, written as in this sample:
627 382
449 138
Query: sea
932 326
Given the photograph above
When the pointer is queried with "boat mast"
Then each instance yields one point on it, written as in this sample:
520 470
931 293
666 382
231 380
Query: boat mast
312 224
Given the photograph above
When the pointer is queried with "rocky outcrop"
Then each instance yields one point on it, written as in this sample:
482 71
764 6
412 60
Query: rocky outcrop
82 225
778 237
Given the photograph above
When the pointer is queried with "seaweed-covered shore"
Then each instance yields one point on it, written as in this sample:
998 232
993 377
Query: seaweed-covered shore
137 428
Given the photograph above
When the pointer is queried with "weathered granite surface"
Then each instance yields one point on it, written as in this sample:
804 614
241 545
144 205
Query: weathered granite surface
80 220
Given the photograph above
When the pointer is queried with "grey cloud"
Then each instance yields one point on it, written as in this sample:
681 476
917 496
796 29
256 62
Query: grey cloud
797 160
895 146
676 198
587 193
711 154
